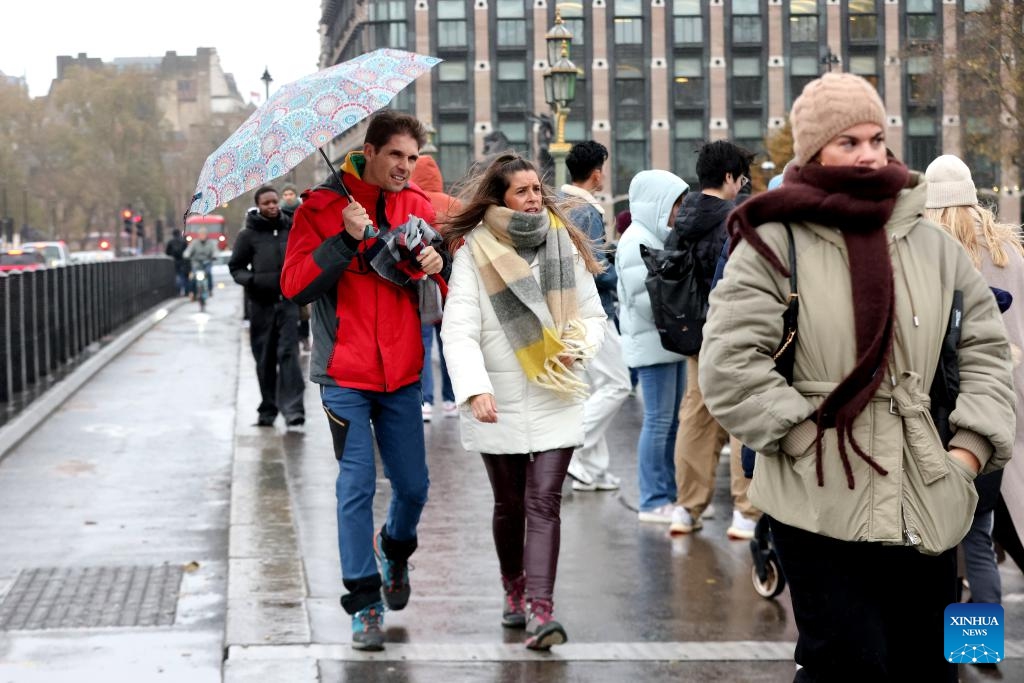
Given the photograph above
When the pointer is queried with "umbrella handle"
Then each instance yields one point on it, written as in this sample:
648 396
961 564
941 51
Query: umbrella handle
369 231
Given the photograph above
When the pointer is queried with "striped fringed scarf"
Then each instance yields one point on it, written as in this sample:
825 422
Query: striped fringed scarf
542 321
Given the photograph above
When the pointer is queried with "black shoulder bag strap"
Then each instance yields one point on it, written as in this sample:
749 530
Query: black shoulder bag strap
785 354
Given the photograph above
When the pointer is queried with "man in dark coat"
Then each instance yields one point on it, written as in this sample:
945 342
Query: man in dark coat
256 262
723 170
176 250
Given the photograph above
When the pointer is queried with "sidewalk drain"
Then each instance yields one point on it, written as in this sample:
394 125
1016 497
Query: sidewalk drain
91 597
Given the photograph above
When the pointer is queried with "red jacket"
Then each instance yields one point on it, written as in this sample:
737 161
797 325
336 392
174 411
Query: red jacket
366 330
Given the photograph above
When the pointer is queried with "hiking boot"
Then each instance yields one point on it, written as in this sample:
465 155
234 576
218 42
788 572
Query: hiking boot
394 575
542 629
367 628
514 613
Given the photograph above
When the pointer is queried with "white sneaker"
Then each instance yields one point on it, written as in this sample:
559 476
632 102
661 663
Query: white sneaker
659 515
709 512
681 522
578 485
451 409
580 476
428 412
742 529
607 482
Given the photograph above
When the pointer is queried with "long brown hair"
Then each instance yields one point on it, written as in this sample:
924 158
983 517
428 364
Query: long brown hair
965 223
488 189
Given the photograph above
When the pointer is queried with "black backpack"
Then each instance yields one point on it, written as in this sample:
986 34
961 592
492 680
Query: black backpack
679 296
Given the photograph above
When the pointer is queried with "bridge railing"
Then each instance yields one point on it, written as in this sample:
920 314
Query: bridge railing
49 317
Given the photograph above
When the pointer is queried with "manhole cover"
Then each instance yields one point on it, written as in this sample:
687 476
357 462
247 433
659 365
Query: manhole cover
91 597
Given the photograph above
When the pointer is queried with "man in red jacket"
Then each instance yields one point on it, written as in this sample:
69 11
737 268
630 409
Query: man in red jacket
367 358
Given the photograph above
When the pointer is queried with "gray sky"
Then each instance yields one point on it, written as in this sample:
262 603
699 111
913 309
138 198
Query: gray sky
248 36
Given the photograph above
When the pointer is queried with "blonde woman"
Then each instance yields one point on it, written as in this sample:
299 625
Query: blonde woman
995 250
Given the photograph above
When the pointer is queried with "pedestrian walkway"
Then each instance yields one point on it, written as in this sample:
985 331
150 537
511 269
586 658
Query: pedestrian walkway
151 532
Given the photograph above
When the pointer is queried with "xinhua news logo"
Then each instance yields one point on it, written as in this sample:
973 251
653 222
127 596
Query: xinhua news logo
973 633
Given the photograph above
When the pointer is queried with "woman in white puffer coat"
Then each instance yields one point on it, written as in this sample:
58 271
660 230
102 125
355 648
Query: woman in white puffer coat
522 316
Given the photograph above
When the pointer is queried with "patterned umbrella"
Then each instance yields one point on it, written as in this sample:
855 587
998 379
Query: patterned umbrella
302 117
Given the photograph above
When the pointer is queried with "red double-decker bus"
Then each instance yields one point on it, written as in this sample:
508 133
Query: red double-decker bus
214 229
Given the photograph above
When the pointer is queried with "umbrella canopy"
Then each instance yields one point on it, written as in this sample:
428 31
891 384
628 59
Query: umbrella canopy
302 117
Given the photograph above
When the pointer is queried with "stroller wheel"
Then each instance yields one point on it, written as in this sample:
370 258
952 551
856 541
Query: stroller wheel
774 582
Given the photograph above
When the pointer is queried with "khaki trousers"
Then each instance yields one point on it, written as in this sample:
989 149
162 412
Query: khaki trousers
698 447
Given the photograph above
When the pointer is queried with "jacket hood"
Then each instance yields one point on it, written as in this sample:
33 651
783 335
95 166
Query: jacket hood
427 175
651 196
909 205
260 223
352 170
701 215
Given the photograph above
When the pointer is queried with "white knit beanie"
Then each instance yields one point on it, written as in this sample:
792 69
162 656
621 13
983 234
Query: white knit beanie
828 106
949 184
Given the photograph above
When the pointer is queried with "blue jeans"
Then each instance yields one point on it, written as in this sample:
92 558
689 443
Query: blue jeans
427 378
398 428
662 386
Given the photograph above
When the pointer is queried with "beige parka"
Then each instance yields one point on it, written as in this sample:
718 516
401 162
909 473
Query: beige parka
927 499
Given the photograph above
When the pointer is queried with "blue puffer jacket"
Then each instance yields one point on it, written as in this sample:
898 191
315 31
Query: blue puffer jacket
651 196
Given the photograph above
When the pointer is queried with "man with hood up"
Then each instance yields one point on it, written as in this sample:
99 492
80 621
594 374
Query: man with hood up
256 262
654 200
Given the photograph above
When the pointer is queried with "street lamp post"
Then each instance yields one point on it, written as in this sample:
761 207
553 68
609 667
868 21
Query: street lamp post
267 80
559 91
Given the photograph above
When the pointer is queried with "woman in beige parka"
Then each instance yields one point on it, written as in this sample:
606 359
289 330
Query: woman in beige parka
865 504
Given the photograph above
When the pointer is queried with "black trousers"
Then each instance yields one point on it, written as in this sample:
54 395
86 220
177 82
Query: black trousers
866 611
527 505
273 335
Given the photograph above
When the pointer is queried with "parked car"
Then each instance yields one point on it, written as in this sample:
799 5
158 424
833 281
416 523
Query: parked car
56 253
22 259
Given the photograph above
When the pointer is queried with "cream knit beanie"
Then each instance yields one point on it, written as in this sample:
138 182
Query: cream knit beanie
828 106
949 184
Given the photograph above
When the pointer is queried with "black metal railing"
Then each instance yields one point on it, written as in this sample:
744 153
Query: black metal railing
49 317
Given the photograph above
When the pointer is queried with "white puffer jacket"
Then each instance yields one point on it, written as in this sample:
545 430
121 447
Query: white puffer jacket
651 196
480 360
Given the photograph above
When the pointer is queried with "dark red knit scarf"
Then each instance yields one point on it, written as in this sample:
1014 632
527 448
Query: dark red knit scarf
859 202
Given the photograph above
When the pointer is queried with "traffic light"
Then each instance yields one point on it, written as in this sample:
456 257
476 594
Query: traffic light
126 218
140 224
104 245
8 225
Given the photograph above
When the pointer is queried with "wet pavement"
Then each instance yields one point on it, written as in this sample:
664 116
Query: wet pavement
156 461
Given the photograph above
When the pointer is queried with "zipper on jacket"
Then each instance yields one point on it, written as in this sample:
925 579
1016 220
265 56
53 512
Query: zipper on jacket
908 533
531 456
906 282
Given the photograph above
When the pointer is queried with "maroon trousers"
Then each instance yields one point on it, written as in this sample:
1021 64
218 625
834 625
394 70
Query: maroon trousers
527 526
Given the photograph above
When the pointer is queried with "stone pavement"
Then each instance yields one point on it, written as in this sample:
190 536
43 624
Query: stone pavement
153 473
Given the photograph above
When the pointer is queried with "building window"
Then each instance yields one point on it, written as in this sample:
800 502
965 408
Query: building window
512 90
803 21
511 26
746 22
748 133
976 5
186 91
746 81
687 23
919 69
922 141
451 25
866 66
453 85
863 21
387 24
689 136
631 119
689 82
922 22
572 15
802 70
453 150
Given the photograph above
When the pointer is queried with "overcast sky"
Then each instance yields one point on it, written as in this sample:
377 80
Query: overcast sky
248 36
